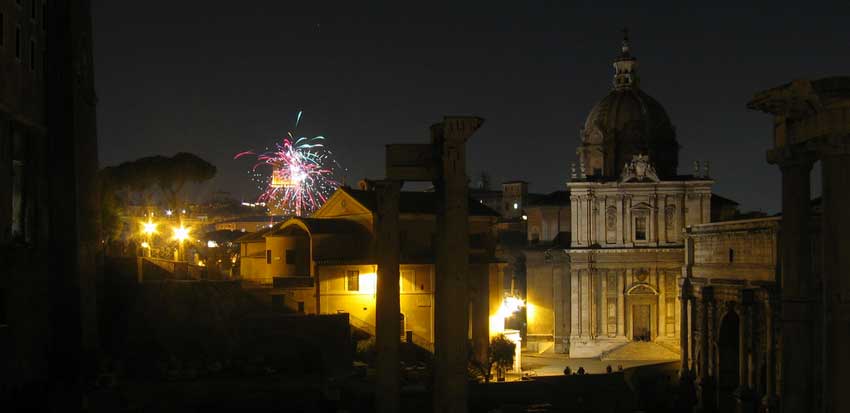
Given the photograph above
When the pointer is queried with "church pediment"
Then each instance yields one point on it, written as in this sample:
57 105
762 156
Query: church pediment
639 169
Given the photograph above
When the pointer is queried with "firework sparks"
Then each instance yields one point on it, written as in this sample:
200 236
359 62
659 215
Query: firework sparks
302 173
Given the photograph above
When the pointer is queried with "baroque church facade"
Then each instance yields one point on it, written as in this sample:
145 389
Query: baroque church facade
618 279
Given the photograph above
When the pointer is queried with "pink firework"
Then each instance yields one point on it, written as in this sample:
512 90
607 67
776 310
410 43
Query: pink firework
302 173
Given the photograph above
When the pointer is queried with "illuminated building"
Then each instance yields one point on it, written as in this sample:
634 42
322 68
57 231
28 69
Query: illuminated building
326 264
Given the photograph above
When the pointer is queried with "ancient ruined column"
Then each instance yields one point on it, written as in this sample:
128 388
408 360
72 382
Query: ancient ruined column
836 277
798 343
707 396
387 326
769 401
745 331
451 297
684 370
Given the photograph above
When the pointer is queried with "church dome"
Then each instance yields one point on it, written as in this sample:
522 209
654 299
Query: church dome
625 123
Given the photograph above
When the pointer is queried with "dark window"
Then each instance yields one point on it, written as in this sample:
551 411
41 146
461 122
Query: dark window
731 255
268 256
290 256
18 187
2 29
301 307
44 16
640 229
18 42
353 280
32 54
277 301
32 9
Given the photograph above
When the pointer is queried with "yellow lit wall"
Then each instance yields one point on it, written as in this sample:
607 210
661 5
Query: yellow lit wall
416 298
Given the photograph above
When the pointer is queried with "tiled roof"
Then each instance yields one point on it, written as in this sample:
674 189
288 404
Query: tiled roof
328 226
416 202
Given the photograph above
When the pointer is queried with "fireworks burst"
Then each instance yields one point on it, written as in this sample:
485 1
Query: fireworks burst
302 173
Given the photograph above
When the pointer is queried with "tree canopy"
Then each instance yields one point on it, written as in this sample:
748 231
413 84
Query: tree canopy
168 174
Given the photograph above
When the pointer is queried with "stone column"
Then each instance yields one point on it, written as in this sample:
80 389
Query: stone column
836 277
684 369
707 394
387 326
744 394
687 393
798 341
451 295
769 401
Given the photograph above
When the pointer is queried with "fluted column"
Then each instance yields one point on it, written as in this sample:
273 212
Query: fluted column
684 369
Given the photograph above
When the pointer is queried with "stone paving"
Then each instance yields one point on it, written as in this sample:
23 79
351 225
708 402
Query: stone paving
636 350
632 354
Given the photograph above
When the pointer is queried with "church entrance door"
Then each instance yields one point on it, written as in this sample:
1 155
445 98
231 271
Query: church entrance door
641 322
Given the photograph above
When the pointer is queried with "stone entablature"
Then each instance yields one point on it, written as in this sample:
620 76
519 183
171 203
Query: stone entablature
636 214
736 250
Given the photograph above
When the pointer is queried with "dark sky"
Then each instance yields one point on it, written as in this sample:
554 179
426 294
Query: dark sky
219 77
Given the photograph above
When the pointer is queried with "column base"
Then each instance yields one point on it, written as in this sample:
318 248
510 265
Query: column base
706 396
687 397
745 400
770 404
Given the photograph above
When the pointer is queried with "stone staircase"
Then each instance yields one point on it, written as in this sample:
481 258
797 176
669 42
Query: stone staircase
640 350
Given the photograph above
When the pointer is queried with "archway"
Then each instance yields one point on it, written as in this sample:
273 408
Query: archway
728 362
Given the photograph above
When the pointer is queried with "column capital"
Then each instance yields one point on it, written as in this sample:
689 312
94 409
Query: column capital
792 156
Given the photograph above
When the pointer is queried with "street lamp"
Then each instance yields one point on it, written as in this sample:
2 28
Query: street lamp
148 228
181 233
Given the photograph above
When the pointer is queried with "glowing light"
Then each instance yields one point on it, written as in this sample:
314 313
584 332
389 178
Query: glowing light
183 211
510 305
516 205
368 282
145 244
149 228
302 173
168 212
212 244
181 233
525 217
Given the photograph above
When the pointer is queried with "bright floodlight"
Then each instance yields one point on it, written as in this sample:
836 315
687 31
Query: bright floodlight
181 233
148 227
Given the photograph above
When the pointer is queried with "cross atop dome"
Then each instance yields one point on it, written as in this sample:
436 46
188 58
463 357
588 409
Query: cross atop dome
625 66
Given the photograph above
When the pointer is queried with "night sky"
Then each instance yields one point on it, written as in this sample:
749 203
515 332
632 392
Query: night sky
219 77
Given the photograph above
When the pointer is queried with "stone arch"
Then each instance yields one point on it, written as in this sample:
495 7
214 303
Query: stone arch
728 361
